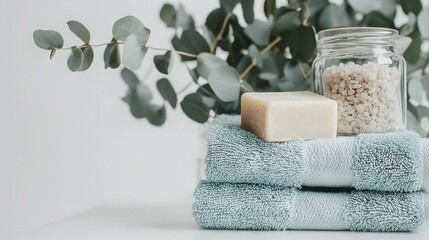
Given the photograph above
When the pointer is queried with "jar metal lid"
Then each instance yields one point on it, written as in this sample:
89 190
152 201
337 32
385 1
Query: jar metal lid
356 31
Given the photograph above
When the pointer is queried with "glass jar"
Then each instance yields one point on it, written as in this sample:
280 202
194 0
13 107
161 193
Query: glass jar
362 68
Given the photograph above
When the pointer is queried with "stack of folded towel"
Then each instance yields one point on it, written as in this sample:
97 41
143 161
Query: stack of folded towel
371 182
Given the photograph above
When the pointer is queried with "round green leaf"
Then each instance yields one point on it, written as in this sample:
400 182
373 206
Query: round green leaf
335 16
412 54
422 21
386 7
48 39
156 115
259 32
288 21
193 106
255 55
168 15
269 7
53 51
167 91
415 90
144 94
414 6
164 63
75 60
88 57
130 25
183 19
192 42
225 82
112 57
316 6
294 71
376 19
130 78
206 62
302 43
79 30
247 7
133 53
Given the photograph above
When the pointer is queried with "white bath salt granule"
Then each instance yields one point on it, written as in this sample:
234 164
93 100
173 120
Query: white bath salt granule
367 96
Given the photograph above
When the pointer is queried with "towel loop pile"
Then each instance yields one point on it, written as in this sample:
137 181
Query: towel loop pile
371 182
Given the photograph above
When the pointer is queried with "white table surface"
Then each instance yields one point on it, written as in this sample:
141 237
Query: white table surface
174 223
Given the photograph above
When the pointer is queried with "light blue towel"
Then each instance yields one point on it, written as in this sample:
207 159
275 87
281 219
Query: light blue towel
263 207
396 161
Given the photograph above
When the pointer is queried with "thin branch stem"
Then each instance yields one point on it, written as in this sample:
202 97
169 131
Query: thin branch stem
120 42
271 45
263 51
185 87
247 70
222 30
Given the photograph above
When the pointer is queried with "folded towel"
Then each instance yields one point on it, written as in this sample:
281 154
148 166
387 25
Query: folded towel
265 207
396 161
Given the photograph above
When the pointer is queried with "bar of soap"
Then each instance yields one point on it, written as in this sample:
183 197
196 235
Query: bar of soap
283 116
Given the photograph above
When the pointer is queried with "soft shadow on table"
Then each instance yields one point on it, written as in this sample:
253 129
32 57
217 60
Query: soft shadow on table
163 217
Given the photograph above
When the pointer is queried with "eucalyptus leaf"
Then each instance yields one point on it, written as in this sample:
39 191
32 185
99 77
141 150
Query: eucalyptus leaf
136 106
248 13
193 106
167 91
413 124
183 19
48 39
256 55
302 43
130 78
412 54
225 82
229 5
422 21
269 76
295 71
316 6
376 19
74 62
79 30
288 21
156 115
164 63
194 74
269 7
168 15
88 57
334 16
414 6
386 7
144 94
112 56
259 32
130 25
53 51
206 62
192 42
133 53
415 90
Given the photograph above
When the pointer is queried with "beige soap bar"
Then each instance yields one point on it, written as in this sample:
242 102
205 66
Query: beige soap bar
283 116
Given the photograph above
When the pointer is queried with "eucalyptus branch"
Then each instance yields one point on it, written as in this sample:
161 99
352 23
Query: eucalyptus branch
222 30
263 51
121 42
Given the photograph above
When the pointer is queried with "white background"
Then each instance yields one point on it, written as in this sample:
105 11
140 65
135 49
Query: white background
67 141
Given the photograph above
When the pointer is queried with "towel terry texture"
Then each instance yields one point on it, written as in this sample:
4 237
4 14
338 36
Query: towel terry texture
268 207
396 161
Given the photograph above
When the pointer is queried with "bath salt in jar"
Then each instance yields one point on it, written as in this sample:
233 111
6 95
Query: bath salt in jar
362 68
